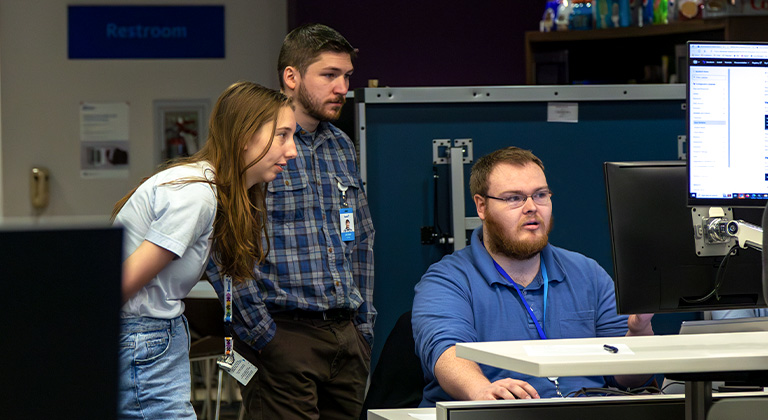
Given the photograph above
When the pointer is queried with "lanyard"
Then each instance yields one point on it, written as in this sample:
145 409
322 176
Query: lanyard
539 326
228 358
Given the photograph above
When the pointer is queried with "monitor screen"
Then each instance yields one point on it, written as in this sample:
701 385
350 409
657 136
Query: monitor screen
656 265
727 123
60 308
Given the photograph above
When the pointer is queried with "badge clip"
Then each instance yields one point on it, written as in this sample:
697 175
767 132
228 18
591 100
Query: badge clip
226 362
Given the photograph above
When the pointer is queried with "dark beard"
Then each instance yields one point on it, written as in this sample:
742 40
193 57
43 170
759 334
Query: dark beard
501 242
314 109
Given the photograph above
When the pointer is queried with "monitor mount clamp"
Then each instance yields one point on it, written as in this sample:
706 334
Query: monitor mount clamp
716 230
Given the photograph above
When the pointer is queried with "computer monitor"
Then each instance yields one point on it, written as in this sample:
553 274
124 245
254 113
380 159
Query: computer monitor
59 321
657 268
727 104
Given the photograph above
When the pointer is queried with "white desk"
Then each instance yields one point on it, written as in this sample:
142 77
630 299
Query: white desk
202 290
690 353
693 353
729 406
402 414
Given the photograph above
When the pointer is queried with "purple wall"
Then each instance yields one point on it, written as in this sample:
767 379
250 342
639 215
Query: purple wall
428 42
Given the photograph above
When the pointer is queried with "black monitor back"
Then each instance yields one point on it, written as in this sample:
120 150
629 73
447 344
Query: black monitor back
60 322
654 254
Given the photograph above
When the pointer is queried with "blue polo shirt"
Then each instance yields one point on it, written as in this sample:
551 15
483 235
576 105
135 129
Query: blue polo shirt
462 298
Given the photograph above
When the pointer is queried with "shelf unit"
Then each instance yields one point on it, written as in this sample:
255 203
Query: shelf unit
621 55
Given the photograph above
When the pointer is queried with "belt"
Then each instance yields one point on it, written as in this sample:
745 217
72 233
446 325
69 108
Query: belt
329 315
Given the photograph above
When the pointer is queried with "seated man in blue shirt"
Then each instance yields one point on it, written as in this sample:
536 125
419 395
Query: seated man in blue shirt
484 292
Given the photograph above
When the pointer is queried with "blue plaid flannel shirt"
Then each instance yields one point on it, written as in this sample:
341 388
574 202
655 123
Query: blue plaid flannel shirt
309 267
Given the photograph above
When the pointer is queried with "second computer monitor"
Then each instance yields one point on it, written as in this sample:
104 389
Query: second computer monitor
727 94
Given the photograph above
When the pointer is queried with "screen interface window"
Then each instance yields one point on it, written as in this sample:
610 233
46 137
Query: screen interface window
728 121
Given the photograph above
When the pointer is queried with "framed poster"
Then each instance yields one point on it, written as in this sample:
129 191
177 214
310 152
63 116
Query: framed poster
181 127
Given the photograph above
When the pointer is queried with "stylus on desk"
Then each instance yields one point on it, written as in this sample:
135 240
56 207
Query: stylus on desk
611 349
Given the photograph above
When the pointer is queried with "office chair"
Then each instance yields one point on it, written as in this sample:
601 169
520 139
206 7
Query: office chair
397 380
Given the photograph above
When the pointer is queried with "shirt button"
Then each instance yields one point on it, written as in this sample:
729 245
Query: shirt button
287 182
330 250
338 283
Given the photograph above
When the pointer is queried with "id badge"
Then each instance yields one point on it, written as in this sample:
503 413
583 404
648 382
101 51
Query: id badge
347 224
241 369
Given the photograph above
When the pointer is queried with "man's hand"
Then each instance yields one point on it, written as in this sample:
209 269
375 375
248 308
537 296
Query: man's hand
506 389
639 324
463 380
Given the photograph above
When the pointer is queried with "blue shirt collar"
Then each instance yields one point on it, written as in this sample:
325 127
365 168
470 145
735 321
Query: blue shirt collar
485 263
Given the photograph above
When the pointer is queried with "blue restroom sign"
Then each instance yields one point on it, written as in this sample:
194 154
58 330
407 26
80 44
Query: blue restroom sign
145 32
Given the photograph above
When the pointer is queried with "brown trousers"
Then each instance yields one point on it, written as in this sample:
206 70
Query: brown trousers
312 369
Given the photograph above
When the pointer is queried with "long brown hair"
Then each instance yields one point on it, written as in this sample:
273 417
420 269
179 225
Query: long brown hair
241 217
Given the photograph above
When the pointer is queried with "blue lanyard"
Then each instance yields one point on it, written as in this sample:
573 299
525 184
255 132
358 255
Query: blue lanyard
539 327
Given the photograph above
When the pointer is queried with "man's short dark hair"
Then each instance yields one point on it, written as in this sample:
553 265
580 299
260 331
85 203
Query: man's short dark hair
481 170
303 45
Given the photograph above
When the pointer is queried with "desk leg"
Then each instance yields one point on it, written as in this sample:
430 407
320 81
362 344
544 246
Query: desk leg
698 399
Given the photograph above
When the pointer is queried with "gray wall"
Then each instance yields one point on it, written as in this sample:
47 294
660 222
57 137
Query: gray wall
41 90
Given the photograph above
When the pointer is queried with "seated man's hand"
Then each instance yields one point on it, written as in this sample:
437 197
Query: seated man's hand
506 389
637 325
640 324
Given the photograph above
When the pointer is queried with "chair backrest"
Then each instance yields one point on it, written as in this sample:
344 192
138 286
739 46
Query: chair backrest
397 381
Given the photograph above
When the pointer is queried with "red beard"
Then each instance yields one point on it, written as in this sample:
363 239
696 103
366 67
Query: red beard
505 243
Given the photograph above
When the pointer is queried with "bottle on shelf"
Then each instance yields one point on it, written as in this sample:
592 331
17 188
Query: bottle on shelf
642 14
611 13
564 8
581 17
660 12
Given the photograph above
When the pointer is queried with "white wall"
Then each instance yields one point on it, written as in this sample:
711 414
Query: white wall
42 89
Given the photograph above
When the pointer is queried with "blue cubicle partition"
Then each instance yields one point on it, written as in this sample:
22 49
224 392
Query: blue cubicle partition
395 129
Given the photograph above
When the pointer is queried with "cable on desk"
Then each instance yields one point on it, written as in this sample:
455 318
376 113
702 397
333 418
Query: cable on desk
670 383
587 392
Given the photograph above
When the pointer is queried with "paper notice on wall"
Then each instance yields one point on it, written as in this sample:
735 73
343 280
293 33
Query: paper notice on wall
104 140
567 112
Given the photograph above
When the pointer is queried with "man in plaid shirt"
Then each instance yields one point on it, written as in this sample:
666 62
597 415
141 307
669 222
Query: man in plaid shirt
306 322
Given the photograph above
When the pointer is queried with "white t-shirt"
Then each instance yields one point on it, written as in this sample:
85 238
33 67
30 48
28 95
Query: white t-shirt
179 218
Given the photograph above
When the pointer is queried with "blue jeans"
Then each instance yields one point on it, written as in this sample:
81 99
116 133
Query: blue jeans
154 369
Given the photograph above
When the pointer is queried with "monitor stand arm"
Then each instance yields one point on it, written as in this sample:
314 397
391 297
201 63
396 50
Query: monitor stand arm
715 229
746 234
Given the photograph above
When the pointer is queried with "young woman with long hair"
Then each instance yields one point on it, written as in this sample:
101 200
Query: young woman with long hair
208 204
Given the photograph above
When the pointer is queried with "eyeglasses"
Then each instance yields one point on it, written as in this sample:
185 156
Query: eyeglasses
542 197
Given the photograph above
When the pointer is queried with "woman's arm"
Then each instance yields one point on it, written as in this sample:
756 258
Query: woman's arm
142 266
